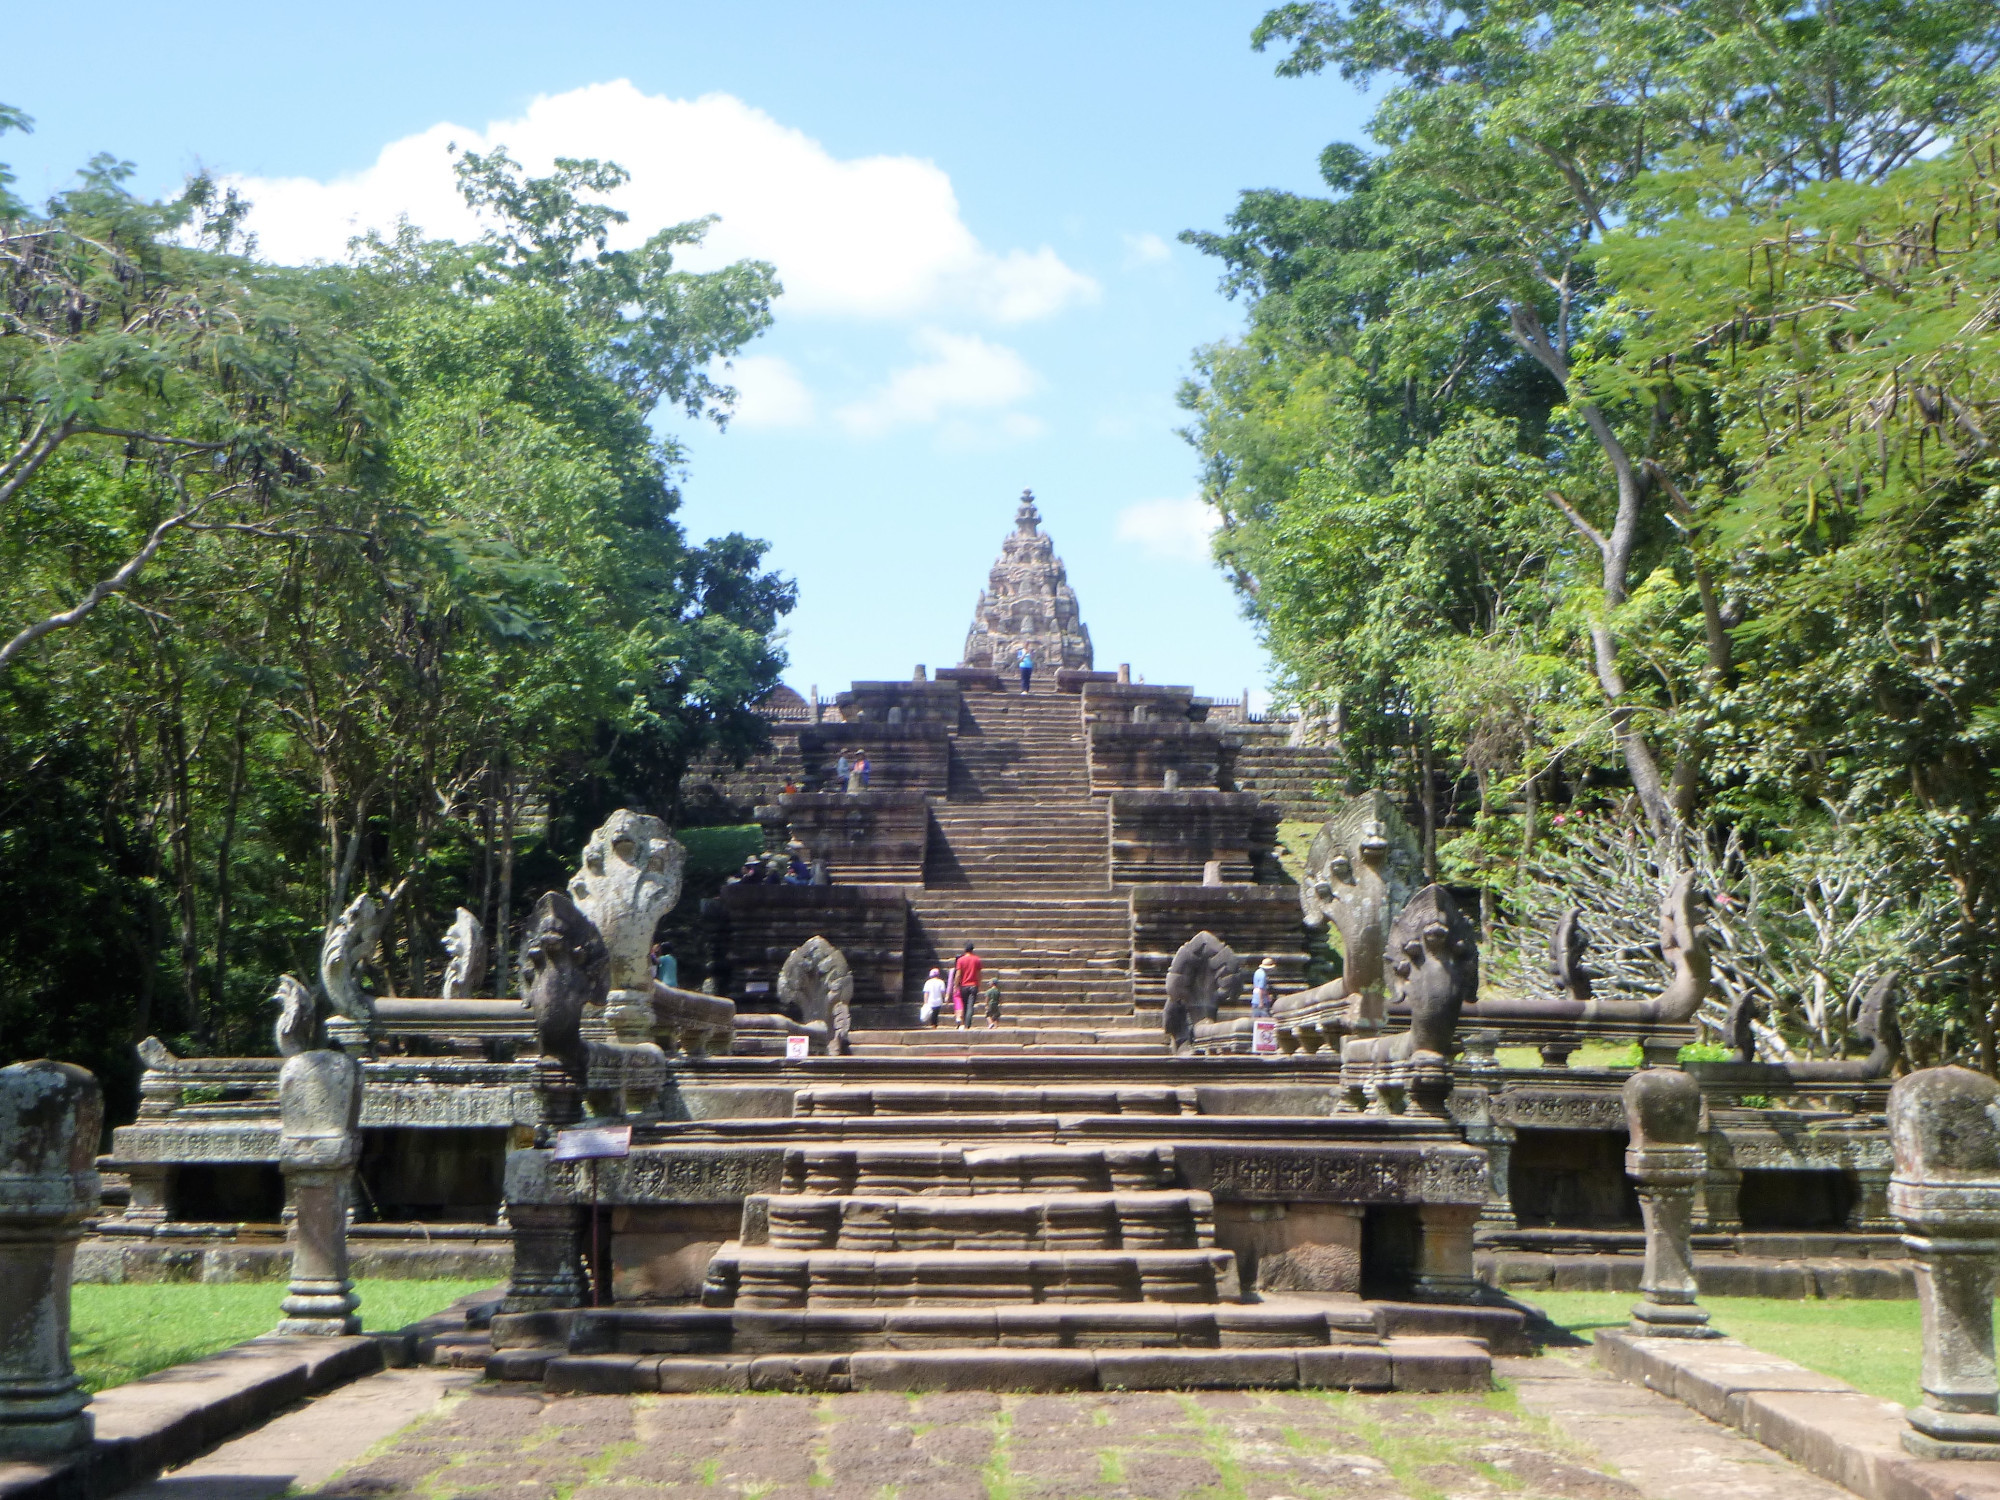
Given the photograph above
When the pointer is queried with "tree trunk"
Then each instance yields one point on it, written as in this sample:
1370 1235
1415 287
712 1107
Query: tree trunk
503 925
218 980
180 838
1427 794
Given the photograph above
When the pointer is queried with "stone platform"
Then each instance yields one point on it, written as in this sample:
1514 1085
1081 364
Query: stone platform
1047 1222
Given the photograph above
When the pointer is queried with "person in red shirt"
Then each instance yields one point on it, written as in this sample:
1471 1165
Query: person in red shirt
964 984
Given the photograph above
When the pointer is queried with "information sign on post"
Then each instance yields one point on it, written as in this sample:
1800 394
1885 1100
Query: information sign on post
1263 1035
594 1143
797 1047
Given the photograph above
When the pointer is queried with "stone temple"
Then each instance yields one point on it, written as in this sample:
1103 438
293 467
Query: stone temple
1027 603
1127 1181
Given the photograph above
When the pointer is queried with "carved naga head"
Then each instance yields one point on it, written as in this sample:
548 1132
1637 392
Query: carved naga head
1567 946
349 944
1206 974
631 875
564 967
298 1017
1434 964
1684 942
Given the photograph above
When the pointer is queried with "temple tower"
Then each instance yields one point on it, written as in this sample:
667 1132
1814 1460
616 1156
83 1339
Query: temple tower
1028 602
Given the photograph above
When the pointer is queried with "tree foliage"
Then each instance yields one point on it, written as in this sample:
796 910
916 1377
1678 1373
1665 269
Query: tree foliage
340 577
1699 301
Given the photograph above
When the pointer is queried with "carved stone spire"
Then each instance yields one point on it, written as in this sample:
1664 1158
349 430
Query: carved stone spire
1028 602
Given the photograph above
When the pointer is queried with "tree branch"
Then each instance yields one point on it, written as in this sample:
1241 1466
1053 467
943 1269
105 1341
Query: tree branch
1576 519
103 589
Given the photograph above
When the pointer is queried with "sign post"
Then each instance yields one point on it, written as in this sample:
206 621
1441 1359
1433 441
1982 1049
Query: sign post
592 1144
1263 1035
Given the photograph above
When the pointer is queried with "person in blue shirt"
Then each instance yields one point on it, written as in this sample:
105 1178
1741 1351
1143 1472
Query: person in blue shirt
1260 988
666 968
1026 662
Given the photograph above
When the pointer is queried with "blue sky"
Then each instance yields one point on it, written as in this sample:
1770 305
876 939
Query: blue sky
973 208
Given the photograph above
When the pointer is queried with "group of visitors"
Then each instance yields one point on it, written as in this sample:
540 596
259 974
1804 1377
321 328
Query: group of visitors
788 868
851 770
962 990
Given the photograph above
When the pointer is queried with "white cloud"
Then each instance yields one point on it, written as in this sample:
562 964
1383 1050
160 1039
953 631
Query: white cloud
876 237
1146 249
1176 529
963 373
769 392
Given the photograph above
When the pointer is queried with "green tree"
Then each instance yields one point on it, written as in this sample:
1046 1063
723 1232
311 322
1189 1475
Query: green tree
422 595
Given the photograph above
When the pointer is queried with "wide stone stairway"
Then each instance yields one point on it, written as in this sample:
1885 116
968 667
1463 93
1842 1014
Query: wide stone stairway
990 1237
1019 864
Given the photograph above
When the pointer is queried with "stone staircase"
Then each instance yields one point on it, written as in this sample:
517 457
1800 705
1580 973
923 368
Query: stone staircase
1008 1039
1295 777
1019 864
953 1238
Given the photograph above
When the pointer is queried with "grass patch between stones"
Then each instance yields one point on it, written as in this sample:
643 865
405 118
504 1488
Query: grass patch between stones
1876 1347
124 1332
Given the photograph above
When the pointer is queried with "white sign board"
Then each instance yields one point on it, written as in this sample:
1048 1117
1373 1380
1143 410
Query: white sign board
1263 1035
594 1143
796 1048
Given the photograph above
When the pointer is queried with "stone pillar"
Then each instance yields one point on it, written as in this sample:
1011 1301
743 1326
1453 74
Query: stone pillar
1720 1209
1444 1252
319 1107
1944 1125
152 1185
50 1116
548 1257
1870 1213
1665 1158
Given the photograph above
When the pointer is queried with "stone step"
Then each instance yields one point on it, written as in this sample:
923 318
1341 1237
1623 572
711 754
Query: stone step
748 1277
1407 1365
1171 1220
895 1168
698 1330
902 1099
1024 1049
1002 1036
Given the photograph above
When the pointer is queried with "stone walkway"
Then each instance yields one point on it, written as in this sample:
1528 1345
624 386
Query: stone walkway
433 1435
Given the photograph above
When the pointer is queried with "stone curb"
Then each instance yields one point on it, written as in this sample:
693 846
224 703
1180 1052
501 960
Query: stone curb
1821 1424
1523 1274
169 1417
1400 1364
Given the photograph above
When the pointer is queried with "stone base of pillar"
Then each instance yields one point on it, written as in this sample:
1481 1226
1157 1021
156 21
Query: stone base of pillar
1667 1320
1952 1434
36 1427
323 1309
1444 1254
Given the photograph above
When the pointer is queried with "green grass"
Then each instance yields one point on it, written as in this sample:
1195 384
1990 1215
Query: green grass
121 1333
1604 1055
1875 1347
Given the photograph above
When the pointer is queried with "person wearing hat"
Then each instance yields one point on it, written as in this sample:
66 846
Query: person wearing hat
1260 988
797 871
933 999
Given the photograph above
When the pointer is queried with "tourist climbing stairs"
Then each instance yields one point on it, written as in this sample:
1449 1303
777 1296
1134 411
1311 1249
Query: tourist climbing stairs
1019 866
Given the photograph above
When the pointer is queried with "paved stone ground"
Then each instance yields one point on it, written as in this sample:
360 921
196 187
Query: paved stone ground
975 1447
1561 1429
